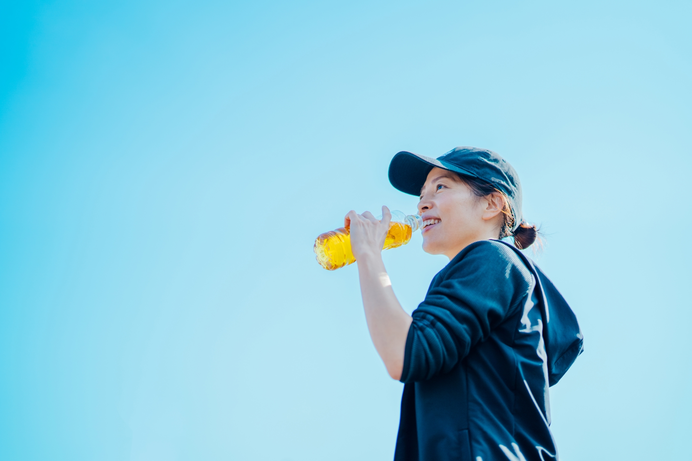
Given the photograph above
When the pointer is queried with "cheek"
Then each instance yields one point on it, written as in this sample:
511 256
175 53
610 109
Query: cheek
461 210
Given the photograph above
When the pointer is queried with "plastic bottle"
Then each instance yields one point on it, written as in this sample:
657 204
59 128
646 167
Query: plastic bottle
333 248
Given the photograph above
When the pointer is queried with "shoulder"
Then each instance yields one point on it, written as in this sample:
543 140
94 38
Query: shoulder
486 278
490 260
493 250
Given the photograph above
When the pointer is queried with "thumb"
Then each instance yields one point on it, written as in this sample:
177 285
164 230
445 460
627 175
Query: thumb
386 215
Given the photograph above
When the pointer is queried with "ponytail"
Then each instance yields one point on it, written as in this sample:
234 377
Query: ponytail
525 235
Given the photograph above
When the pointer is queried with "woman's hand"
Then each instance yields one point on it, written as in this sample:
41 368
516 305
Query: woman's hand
367 233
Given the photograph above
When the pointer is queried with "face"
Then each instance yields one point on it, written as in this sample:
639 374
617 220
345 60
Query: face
453 216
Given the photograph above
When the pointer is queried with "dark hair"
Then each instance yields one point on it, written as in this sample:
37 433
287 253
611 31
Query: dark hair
525 235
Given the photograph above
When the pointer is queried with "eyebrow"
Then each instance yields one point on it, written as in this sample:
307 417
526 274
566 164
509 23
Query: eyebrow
437 178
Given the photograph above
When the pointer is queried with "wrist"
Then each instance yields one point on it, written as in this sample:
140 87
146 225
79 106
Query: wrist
369 256
370 263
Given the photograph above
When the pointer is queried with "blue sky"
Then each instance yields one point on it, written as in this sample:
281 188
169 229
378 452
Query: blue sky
166 166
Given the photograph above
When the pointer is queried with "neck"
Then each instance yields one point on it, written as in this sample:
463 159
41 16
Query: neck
486 234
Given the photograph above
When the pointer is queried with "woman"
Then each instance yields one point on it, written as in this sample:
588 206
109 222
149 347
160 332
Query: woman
479 353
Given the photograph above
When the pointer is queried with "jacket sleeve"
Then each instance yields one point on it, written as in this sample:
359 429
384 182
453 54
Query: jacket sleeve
464 304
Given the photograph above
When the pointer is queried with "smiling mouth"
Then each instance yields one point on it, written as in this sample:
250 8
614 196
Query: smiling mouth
429 223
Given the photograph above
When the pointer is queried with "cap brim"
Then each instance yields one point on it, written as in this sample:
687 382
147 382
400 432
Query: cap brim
408 171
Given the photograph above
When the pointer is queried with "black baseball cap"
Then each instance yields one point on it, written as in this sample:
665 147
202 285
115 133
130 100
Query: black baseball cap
408 172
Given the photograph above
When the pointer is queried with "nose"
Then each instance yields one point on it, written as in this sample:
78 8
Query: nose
424 205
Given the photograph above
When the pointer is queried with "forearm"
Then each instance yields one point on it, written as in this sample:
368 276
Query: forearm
388 323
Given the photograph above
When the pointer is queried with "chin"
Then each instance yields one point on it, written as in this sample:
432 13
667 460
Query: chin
430 248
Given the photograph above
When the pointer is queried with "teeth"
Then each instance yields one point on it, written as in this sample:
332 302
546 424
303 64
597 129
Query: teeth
430 222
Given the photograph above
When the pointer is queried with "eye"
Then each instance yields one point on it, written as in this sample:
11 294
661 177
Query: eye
438 186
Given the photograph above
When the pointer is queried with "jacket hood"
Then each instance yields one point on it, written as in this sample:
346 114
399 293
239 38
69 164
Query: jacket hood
561 333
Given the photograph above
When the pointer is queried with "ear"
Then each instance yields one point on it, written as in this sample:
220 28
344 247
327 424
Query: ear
494 204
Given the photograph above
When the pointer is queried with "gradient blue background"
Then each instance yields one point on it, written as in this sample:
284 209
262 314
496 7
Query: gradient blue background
166 166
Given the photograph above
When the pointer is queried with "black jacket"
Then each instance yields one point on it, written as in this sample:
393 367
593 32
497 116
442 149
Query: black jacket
491 336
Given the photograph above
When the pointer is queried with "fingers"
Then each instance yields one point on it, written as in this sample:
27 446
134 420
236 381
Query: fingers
367 215
349 216
353 216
